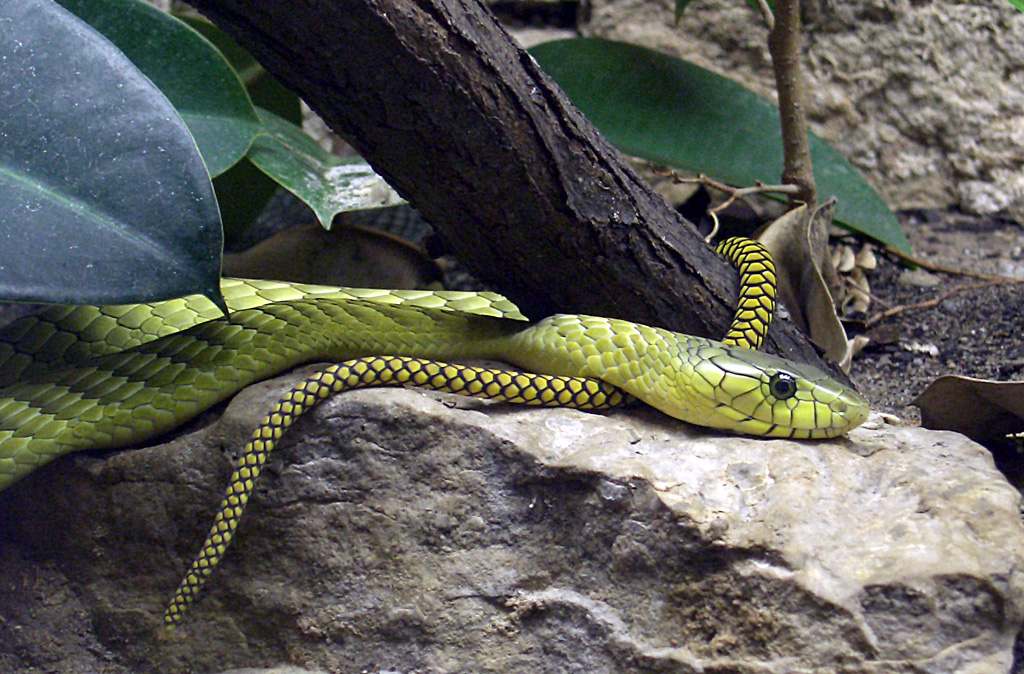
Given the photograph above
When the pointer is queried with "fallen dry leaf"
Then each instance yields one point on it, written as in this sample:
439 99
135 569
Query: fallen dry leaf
981 409
799 243
344 256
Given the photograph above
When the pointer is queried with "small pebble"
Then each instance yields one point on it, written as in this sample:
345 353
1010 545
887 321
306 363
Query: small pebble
919 278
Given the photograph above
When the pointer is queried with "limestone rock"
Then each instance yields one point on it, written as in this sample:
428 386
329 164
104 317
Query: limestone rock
405 531
920 96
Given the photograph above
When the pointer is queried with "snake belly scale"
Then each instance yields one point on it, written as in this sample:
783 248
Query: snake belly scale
108 377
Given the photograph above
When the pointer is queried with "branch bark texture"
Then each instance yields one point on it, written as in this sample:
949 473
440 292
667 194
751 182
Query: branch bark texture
465 125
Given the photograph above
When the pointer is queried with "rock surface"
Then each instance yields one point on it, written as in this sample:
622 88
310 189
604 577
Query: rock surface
925 98
405 531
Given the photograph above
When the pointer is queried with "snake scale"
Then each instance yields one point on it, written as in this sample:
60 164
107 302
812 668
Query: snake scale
77 378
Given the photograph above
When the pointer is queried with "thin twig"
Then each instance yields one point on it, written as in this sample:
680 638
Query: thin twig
849 287
935 301
766 13
931 266
733 193
740 192
714 230
990 281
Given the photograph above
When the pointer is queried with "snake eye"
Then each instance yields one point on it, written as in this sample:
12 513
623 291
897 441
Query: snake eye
782 385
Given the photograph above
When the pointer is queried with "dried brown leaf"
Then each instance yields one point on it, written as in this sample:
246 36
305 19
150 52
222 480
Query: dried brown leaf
981 409
344 256
799 243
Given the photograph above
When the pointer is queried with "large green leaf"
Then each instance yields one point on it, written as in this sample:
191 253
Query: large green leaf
264 90
189 70
329 184
244 191
104 197
661 108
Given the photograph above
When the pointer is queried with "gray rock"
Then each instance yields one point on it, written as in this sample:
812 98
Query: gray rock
284 669
400 531
983 198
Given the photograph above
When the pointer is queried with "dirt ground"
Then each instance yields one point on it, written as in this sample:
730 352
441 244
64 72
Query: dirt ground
975 328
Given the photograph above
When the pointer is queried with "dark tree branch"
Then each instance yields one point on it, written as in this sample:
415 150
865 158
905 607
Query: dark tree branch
463 123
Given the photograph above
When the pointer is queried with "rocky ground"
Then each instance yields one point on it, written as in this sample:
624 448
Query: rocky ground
975 329
949 323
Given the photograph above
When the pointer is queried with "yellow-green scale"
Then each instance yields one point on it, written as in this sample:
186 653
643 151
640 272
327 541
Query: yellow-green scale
697 380
520 387
131 396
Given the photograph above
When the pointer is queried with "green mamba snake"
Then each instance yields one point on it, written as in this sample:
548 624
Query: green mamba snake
107 377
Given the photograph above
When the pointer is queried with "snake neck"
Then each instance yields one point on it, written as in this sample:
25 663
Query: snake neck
627 355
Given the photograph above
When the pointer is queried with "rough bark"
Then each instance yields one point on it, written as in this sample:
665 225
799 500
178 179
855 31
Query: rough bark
463 123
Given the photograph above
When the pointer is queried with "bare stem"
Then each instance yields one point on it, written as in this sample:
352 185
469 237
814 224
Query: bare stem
935 301
766 14
784 46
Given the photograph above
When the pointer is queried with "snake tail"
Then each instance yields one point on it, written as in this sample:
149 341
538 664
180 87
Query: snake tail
756 304
373 371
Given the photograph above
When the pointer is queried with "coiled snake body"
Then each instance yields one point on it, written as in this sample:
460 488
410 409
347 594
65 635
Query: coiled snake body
107 377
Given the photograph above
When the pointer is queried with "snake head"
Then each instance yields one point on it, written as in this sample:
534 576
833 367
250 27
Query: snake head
697 380
744 391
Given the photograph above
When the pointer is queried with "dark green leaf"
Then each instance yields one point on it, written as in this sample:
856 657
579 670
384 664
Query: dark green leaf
663 109
264 90
103 196
189 70
244 191
1019 4
329 184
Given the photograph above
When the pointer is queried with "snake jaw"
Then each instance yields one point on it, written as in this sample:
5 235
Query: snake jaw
738 390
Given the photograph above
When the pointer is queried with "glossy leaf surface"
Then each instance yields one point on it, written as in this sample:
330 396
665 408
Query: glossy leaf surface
187 68
669 111
329 184
104 197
